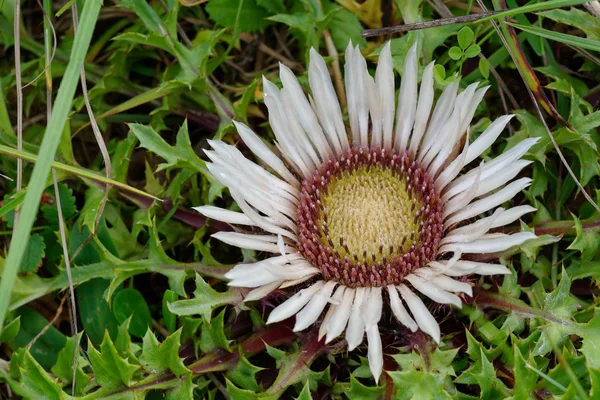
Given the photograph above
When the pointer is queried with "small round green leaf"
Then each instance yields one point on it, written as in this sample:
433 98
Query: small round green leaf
472 51
465 37
455 53
439 73
130 302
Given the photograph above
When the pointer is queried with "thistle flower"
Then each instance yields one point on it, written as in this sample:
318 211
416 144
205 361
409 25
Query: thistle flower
380 207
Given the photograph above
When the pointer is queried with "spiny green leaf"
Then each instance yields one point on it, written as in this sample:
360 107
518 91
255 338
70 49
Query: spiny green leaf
586 242
38 380
158 358
213 334
204 301
110 369
67 201
180 155
356 390
63 369
32 259
244 374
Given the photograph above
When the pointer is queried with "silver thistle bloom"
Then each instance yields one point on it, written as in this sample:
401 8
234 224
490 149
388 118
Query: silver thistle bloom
382 208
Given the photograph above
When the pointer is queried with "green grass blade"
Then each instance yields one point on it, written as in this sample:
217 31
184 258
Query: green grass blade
48 149
530 8
576 41
77 171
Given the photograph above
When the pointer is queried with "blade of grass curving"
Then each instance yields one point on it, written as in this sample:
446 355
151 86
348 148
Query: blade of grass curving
48 149
80 172
576 41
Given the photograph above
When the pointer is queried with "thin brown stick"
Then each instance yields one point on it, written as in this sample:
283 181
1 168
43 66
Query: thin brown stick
50 323
95 129
269 51
63 239
427 24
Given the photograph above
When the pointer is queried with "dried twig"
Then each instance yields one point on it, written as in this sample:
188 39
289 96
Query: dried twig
427 24
95 128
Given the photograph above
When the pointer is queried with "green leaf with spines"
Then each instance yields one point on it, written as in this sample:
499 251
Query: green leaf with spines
32 259
158 358
37 380
63 369
356 390
204 301
587 242
110 369
68 208
213 334
244 374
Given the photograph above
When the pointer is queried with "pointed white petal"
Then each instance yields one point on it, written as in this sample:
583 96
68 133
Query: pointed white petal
461 268
326 102
294 96
335 301
487 138
314 308
221 214
372 307
292 305
433 292
501 178
375 352
407 100
325 323
256 145
424 319
441 112
451 285
262 222
489 169
251 241
399 311
489 202
262 291
491 245
384 80
341 314
473 231
511 215
375 110
356 327
423 108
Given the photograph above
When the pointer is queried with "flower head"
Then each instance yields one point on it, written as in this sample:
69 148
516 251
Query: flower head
384 206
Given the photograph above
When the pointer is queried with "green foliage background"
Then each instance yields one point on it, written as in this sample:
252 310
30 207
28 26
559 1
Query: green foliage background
154 314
